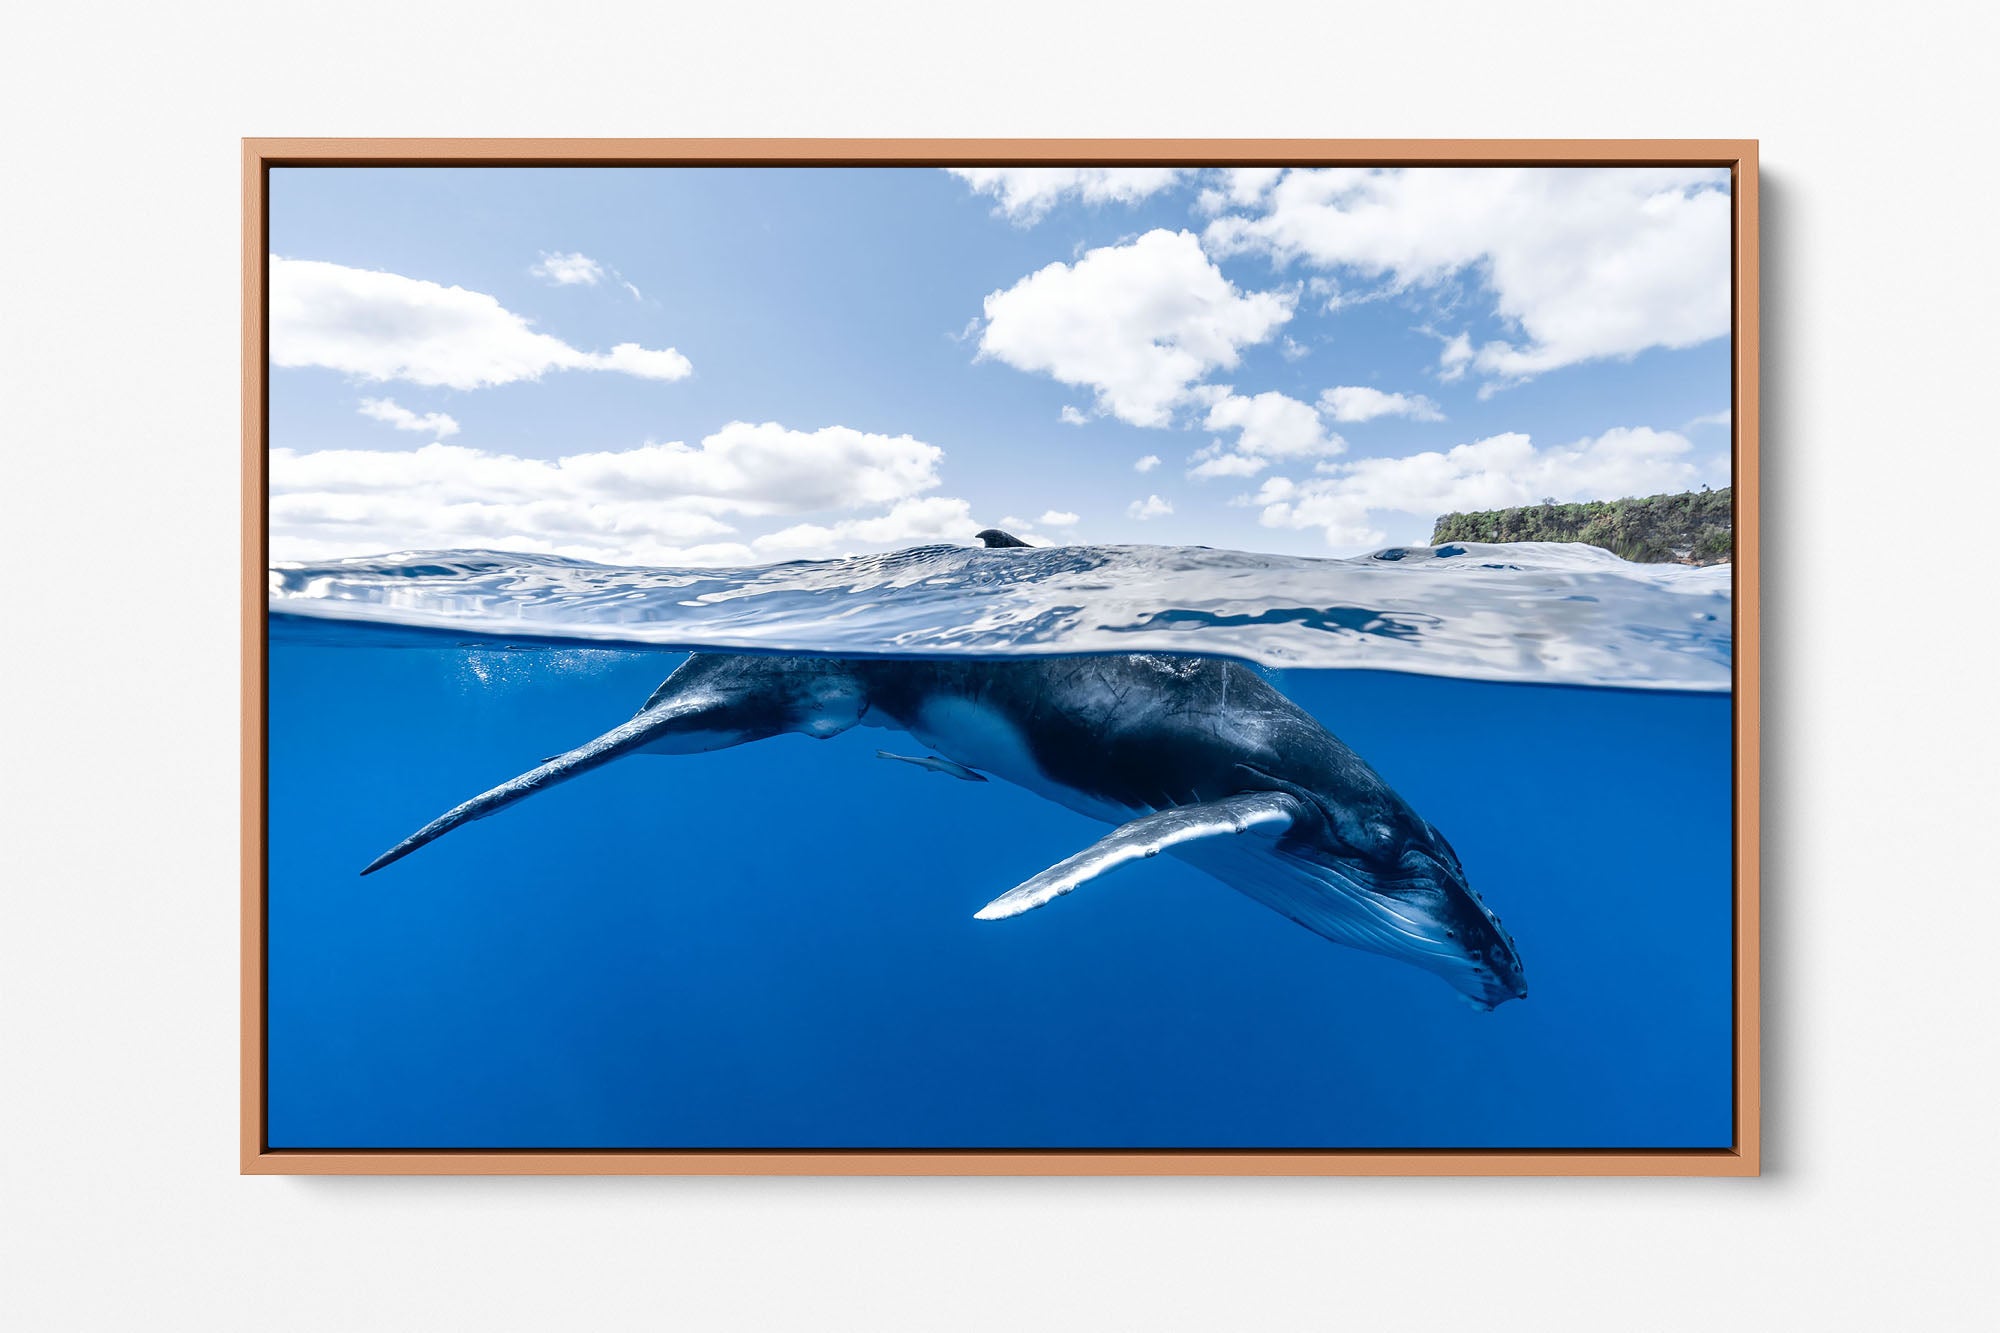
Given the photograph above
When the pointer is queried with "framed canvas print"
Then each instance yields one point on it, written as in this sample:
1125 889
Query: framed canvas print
984 657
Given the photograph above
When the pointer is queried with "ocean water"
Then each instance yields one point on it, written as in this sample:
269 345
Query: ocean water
773 946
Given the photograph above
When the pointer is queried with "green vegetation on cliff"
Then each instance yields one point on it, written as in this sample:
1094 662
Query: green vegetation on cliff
1693 528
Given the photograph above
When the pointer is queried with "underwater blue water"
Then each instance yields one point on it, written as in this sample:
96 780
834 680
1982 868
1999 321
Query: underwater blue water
774 945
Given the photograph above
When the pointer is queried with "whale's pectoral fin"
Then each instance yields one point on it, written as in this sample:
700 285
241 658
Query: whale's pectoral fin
710 702
1271 812
656 728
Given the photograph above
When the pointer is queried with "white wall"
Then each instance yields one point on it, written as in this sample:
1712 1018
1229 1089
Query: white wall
118 270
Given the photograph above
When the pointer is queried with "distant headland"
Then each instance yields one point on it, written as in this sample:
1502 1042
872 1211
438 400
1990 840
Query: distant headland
1692 528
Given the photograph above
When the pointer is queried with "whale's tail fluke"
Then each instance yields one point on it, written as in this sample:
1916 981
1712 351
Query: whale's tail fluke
710 703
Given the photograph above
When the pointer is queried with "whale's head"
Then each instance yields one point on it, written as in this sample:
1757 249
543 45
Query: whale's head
1451 931
1375 875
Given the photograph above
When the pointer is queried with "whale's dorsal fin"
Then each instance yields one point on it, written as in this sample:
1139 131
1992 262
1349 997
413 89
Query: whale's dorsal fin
1147 836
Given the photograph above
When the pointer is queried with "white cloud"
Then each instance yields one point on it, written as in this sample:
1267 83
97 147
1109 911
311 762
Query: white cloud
1147 464
1057 518
1073 417
1268 426
1494 473
1214 461
640 505
1020 527
645 362
311 525
1331 298
1150 507
1273 425
1721 419
1585 262
1139 323
910 522
1237 187
1026 194
1293 350
1357 402
437 424
569 270
383 326
1455 357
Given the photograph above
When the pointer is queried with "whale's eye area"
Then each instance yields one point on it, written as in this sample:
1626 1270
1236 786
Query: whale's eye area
1373 840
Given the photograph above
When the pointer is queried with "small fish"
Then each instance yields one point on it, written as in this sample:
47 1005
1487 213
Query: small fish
935 765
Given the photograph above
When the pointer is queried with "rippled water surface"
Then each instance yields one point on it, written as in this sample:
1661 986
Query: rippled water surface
1541 612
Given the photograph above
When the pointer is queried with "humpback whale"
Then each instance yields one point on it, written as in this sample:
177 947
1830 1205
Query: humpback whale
1197 757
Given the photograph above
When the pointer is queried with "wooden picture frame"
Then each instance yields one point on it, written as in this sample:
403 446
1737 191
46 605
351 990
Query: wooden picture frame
1739 156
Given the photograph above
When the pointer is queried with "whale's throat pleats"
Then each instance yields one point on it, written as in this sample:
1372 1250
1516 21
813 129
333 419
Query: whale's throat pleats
1317 896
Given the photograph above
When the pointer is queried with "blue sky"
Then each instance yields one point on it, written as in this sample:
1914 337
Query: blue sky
722 366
